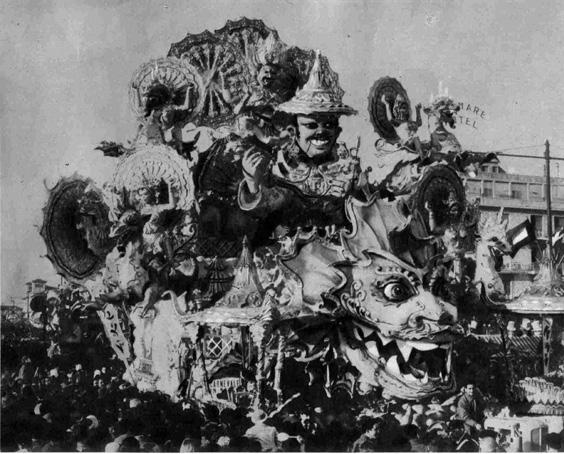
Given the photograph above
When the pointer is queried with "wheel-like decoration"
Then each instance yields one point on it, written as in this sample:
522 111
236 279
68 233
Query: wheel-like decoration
220 73
253 40
76 229
260 46
439 190
167 78
390 88
154 166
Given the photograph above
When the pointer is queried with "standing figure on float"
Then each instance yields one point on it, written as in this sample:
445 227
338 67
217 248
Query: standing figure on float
306 183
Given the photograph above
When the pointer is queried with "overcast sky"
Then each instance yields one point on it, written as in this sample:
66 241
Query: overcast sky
65 66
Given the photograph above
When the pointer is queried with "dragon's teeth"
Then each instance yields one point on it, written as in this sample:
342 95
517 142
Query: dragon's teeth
449 361
372 348
410 377
405 349
425 378
393 366
385 340
423 346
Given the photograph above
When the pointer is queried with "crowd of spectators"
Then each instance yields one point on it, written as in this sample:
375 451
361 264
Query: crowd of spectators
54 405
74 409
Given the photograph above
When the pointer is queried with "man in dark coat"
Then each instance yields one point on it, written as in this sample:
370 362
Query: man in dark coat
470 408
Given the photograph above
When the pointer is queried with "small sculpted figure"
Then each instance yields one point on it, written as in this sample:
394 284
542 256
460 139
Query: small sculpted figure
161 114
442 112
406 129
490 249
256 111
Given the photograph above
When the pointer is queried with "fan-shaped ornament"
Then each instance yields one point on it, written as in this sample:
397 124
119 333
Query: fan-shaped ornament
220 72
260 46
76 228
151 166
390 88
166 78
250 37
440 190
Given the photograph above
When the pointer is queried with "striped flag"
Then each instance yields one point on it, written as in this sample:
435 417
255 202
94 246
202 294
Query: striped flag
520 235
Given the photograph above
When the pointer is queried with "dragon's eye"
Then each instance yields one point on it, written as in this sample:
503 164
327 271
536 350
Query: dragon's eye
397 291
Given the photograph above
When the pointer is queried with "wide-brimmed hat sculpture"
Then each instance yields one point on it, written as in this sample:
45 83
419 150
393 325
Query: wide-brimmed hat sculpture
317 96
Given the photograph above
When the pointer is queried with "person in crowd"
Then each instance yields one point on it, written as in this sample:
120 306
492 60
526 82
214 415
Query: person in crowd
265 434
190 445
470 408
488 441
368 441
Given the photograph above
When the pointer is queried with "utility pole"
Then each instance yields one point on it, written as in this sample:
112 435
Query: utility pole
548 204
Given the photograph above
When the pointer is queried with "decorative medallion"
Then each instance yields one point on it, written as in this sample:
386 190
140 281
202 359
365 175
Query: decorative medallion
390 88
155 166
167 76
76 228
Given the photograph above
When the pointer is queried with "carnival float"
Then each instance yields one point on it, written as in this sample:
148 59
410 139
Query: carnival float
238 238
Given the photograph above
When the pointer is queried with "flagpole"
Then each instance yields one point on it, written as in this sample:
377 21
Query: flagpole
548 204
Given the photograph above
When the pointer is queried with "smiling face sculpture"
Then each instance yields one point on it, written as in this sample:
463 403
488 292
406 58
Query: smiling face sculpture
317 133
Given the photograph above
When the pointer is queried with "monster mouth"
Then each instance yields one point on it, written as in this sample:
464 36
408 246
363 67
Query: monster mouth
416 362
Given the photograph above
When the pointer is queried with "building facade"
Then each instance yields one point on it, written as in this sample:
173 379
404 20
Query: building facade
32 289
521 197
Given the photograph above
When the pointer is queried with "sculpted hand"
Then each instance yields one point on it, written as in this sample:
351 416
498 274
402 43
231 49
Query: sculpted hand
253 169
337 190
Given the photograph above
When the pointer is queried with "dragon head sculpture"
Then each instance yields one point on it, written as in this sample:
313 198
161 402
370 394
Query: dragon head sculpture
491 246
401 332
392 327
493 233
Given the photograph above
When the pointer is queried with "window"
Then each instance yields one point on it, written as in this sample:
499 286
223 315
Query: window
473 187
214 347
501 189
537 222
487 190
38 287
536 191
558 222
518 190
557 192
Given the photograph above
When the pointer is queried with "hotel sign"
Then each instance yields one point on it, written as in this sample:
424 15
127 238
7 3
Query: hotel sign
470 115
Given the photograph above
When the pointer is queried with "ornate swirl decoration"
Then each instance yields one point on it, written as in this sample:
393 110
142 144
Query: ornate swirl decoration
352 302
150 165
168 73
